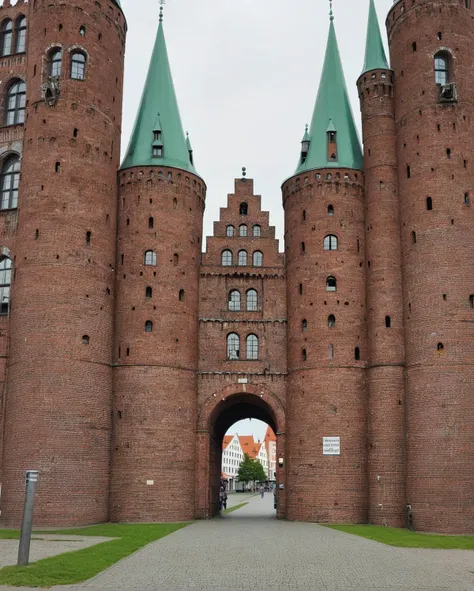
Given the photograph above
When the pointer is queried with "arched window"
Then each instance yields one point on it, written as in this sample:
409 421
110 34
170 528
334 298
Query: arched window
331 284
230 230
234 301
304 325
5 282
20 35
233 346
330 242
257 231
151 222
252 300
441 68
226 258
440 346
242 258
150 258
78 66
388 322
252 347
6 37
243 230
429 203
331 321
181 295
16 103
148 326
148 292
330 210
10 181
243 209
55 63
257 259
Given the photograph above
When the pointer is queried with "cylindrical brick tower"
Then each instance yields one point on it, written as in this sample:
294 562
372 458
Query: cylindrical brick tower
385 374
58 418
327 349
431 46
156 347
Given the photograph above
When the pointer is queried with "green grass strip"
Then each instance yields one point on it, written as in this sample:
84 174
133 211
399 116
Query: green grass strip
9 534
403 538
80 565
230 509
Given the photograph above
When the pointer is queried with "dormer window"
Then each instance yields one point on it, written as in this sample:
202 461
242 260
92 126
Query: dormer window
157 146
157 152
332 142
305 144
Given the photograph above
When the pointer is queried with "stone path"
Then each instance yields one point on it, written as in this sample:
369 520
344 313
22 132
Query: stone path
250 550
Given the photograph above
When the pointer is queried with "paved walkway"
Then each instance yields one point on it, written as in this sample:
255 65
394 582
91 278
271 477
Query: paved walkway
250 550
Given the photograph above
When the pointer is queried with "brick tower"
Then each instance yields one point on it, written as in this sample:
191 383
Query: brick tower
327 351
431 47
161 208
60 374
385 373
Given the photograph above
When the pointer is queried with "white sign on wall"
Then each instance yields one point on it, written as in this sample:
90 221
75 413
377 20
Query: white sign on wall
331 446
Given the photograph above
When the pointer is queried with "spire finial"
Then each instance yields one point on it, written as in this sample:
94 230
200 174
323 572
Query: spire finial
331 15
162 3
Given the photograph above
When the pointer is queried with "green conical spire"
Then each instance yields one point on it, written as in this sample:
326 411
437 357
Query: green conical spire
158 122
375 57
332 112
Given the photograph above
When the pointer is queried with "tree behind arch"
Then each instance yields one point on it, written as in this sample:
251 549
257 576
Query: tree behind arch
251 471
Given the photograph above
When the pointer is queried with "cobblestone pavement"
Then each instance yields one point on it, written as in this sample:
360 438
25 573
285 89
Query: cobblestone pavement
250 550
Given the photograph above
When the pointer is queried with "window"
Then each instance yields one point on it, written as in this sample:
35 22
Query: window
330 210
303 215
82 31
243 210
148 292
5 282
55 63
413 237
330 242
150 222
252 347
226 258
257 259
181 295
234 301
6 39
304 325
304 355
10 181
252 300
471 301
150 258
331 321
85 339
357 354
230 230
233 346
16 103
242 230
440 346
20 35
303 247
242 258
441 66
78 66
331 284
148 326
257 231
388 322
330 351
429 203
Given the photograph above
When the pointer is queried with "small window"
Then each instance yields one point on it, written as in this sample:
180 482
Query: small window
357 354
6 30
148 326
148 292
85 340
330 242
78 66
331 321
234 301
301 289
233 346
5 283
388 322
429 203
181 295
440 346
252 347
257 231
441 68
257 259
230 231
20 35
304 355
150 258
471 301
466 199
243 210
331 284
242 258
330 210
303 215
88 238
226 258
82 31
413 46
408 172
303 247
413 237
304 325
150 222
330 351
252 300
16 103
10 181
243 230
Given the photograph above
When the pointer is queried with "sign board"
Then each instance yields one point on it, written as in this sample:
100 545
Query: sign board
331 446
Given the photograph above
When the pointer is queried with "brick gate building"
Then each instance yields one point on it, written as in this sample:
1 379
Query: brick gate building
121 379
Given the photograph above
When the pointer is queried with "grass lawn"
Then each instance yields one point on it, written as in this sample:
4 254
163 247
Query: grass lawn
230 509
80 565
403 538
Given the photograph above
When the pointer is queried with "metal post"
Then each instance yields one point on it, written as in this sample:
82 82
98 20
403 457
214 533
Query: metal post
27 521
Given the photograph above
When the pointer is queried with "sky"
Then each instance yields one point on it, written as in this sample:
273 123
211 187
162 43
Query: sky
246 76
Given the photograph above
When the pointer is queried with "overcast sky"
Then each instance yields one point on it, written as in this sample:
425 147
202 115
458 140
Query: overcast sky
246 76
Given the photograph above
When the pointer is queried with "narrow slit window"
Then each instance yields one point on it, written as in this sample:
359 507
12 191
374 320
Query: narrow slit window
471 301
413 237
304 355
429 203
148 326
304 325
330 352
331 321
148 292
151 222
181 295
388 322
357 354
330 210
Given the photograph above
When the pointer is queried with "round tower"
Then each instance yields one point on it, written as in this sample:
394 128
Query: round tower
60 376
431 52
161 208
385 373
327 352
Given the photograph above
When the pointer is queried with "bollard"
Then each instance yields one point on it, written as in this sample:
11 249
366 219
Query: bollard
27 521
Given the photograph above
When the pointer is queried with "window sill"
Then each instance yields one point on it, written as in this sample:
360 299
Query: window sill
9 209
